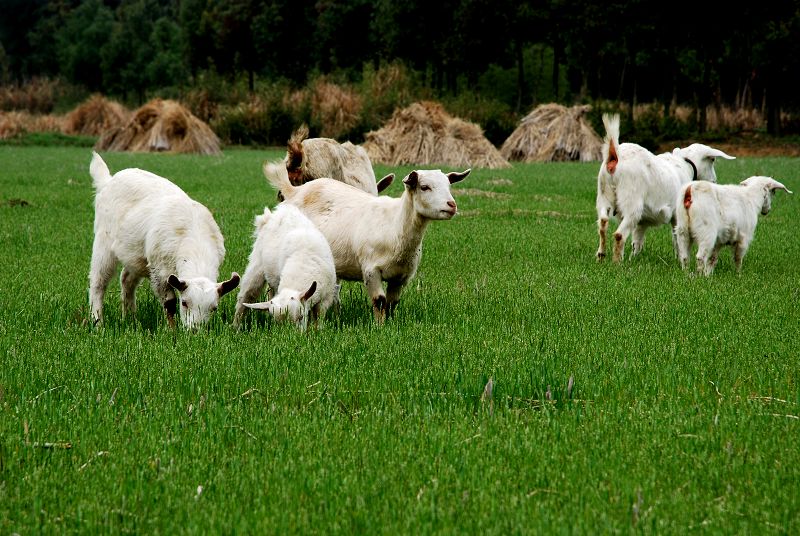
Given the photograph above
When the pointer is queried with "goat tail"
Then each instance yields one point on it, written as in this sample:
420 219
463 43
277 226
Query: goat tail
687 197
611 142
99 172
261 220
278 177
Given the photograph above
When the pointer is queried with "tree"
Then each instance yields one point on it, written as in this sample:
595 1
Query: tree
167 67
80 40
343 39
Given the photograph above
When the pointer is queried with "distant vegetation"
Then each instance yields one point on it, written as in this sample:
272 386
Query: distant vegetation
254 69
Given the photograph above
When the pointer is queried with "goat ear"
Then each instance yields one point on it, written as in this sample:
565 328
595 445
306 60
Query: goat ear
455 176
176 283
411 180
310 292
261 306
775 185
227 286
385 182
716 153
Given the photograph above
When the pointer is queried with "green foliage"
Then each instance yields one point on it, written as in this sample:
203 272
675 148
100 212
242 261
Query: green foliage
81 42
495 117
166 68
520 54
383 90
682 416
266 119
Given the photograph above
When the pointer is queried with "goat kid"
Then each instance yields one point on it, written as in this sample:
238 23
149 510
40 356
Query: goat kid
717 215
294 259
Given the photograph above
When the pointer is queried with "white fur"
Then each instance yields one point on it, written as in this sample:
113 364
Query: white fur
290 255
154 230
642 189
373 239
720 215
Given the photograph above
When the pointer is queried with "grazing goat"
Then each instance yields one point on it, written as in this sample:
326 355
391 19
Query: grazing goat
373 238
154 230
716 215
640 187
314 158
294 259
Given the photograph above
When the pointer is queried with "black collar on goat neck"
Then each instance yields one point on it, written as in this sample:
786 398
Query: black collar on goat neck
694 168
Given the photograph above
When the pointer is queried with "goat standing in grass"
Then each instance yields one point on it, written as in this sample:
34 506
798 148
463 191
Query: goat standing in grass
640 188
373 238
154 230
716 215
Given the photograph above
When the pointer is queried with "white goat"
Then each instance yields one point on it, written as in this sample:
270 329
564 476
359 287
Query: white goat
156 231
373 238
294 259
640 187
716 215
314 158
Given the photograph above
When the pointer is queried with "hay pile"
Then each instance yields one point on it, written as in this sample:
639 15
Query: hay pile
161 125
554 133
95 116
13 124
425 134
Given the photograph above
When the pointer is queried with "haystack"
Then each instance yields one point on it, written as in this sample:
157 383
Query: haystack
425 134
14 124
161 125
95 116
554 133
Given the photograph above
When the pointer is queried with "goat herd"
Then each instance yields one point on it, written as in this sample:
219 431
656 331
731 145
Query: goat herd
332 225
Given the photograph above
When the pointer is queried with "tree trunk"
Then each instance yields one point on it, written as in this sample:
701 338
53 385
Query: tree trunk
520 74
773 99
556 61
703 96
584 91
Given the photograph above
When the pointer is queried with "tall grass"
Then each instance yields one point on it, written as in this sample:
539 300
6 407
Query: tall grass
682 413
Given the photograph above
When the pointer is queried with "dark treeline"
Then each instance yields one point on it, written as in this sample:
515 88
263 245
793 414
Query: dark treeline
698 53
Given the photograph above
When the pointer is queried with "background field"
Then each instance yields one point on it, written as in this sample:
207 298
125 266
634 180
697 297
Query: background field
683 415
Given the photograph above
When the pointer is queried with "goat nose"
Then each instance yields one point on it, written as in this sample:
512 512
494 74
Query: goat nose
451 204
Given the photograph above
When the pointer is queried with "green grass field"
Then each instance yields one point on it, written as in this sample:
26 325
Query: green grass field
683 416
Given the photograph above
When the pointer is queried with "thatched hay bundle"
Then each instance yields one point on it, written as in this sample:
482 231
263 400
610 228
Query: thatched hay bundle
16 123
161 125
554 133
95 116
425 134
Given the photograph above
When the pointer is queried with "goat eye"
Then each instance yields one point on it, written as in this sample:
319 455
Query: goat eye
425 188
184 303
